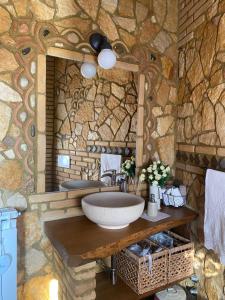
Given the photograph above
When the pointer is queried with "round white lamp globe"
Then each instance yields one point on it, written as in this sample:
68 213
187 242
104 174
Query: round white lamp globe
88 70
107 59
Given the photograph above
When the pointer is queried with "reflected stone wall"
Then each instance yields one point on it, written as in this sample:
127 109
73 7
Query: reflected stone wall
99 112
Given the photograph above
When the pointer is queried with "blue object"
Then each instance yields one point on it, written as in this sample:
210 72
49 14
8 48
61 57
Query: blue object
8 254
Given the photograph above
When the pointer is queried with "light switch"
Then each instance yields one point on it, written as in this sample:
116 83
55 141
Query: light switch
63 161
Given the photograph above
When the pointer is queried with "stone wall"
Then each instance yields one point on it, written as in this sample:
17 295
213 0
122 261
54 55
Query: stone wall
89 114
140 31
201 123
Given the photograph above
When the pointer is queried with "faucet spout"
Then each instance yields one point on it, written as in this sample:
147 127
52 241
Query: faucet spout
112 174
107 175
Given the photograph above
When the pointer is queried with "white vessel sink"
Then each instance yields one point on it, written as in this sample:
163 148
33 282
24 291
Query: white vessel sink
80 184
113 210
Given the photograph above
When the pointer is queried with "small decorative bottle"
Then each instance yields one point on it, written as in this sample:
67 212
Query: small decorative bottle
152 210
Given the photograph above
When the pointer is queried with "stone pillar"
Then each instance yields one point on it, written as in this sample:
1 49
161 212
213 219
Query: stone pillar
77 283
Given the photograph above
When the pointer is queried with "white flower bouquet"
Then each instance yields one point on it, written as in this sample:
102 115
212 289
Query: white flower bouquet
128 167
156 174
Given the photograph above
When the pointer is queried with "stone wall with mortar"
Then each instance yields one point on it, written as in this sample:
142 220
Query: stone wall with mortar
75 283
201 125
89 114
142 31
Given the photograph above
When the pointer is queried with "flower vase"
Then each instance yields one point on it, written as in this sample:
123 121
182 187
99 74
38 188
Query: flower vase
154 194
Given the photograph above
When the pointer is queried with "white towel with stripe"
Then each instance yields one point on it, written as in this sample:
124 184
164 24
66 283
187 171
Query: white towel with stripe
214 222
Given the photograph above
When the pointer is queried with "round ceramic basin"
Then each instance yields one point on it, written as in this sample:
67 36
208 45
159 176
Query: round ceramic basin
80 184
113 210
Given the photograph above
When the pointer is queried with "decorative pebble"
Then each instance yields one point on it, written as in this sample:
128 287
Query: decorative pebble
10 154
127 151
222 163
73 37
23 116
24 82
152 57
60 45
94 148
153 19
33 67
46 32
32 100
94 26
23 147
108 150
114 150
149 147
25 51
120 150
99 149
86 50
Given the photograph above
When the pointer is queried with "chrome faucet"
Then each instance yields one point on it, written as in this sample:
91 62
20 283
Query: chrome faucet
112 174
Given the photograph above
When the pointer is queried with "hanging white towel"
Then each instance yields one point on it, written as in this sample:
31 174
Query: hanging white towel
214 223
110 162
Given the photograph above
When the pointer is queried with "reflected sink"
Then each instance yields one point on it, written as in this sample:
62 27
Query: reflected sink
80 184
113 210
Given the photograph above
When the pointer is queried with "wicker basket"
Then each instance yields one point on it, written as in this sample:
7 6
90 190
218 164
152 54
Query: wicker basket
180 259
135 272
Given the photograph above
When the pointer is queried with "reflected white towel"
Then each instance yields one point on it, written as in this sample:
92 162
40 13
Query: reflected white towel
109 162
214 223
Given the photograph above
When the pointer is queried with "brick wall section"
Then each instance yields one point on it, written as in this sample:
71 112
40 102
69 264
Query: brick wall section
84 165
75 283
191 15
50 110
52 206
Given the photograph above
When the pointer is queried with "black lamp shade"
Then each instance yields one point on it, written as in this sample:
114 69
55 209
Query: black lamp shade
99 42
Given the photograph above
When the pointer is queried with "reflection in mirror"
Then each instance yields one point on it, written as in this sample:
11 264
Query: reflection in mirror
85 120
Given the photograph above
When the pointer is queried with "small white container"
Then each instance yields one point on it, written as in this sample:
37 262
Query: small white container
154 194
152 210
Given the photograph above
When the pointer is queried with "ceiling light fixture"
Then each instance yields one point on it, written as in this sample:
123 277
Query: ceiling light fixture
106 56
88 70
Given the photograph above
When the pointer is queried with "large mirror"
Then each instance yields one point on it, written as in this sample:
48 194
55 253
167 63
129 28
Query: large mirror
90 124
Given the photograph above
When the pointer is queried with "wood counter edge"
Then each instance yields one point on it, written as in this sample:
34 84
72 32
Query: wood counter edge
114 247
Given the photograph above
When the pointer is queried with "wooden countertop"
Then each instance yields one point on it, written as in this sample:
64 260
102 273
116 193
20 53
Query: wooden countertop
78 240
